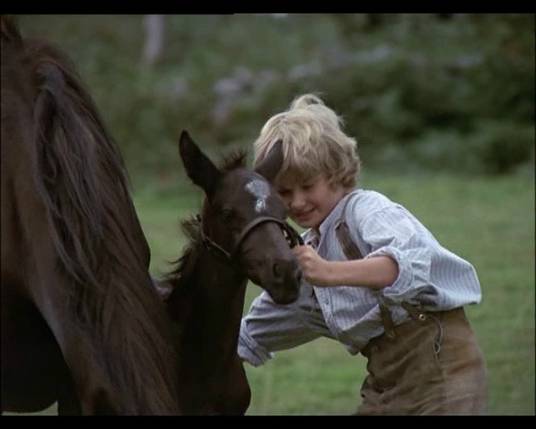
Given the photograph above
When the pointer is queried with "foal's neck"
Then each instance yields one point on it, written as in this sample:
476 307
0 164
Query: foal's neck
207 303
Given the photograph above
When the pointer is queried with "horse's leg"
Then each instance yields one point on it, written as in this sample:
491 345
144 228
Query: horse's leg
42 343
68 402
32 363
87 391
35 372
86 379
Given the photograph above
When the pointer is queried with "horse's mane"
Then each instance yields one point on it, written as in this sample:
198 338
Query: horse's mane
183 266
100 246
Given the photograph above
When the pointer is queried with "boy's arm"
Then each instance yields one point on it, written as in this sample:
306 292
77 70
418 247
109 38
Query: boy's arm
376 273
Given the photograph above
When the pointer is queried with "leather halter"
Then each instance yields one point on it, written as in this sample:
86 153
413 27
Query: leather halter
291 235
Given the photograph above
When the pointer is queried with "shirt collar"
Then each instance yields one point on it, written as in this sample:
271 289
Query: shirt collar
333 216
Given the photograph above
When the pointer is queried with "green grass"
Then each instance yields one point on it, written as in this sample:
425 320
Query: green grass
488 221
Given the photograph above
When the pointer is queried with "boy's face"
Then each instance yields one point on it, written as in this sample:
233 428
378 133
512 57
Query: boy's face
310 202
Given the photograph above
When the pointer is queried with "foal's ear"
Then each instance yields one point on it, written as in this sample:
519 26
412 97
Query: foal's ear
199 167
270 166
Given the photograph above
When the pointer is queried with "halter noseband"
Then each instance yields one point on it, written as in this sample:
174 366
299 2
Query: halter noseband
290 233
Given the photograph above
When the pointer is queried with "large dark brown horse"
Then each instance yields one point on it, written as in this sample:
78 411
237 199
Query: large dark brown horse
240 234
81 322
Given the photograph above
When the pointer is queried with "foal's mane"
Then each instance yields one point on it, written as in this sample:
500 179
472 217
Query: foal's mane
82 182
232 161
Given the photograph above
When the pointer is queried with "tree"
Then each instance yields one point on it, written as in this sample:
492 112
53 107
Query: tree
154 38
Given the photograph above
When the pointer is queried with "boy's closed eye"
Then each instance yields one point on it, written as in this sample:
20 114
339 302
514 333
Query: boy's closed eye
283 191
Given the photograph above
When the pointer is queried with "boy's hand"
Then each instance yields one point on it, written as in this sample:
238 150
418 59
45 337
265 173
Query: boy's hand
315 269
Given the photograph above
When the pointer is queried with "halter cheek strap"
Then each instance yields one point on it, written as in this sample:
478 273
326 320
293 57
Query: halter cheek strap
290 233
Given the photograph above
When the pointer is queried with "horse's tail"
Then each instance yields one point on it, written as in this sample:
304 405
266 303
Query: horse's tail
9 31
98 239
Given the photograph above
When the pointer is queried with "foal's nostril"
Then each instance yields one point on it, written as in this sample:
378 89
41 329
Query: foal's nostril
284 271
298 275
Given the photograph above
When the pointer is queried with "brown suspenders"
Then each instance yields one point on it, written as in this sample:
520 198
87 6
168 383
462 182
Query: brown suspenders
351 251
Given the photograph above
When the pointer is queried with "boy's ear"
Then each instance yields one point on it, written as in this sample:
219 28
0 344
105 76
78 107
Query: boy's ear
199 167
270 166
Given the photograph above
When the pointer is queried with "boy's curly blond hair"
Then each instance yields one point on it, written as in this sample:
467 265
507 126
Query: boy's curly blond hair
313 143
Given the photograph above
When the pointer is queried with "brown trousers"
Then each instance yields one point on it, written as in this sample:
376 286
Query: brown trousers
433 365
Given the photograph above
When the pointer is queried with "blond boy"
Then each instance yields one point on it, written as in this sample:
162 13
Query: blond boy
376 279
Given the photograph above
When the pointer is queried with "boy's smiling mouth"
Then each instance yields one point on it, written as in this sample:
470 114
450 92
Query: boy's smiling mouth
303 213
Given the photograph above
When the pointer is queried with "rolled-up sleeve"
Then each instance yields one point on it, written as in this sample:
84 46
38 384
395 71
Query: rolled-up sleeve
249 350
391 232
269 327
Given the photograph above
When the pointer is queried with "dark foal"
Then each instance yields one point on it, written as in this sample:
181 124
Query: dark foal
241 234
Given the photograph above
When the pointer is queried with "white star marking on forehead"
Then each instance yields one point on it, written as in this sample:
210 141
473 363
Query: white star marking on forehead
260 190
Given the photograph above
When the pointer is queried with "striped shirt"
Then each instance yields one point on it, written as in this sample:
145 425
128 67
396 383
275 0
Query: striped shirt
429 275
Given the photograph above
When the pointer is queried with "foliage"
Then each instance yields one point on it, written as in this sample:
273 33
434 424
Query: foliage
419 91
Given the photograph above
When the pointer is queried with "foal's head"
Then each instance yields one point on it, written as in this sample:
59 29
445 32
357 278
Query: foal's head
243 219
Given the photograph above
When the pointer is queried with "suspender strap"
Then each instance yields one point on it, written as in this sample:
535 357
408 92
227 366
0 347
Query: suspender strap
387 320
352 252
348 246
415 312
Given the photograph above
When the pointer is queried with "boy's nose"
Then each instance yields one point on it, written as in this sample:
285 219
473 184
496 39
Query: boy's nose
297 201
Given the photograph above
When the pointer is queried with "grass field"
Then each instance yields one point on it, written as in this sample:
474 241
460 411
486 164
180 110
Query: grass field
489 221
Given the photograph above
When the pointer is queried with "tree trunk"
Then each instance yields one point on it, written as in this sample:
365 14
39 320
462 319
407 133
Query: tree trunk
154 37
